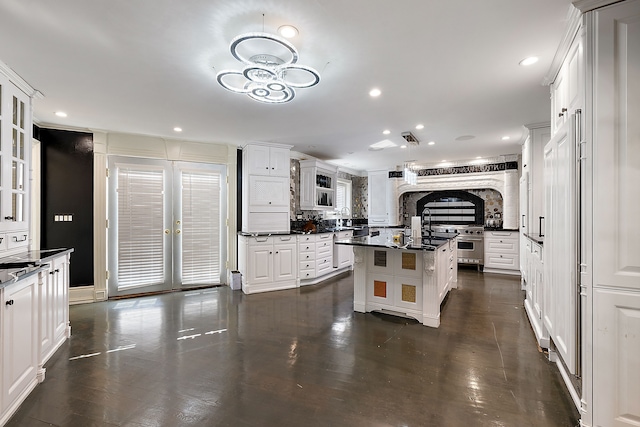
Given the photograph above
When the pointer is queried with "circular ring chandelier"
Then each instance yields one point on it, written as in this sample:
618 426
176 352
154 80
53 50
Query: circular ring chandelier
267 78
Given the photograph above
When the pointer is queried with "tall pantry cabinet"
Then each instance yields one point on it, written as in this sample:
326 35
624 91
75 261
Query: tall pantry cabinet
592 257
265 188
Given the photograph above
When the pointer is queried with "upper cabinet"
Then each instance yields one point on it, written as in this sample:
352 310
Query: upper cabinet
317 185
532 181
567 89
265 188
383 202
267 160
15 151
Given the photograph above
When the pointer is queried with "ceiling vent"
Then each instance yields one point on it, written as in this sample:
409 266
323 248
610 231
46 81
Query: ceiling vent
410 138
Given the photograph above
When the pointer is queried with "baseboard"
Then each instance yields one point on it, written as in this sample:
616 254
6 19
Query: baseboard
81 295
333 273
501 271
567 382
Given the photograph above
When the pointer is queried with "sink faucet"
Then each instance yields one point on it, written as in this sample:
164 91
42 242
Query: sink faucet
427 210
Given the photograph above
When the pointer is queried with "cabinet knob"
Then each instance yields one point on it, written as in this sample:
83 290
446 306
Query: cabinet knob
9 218
270 252
277 252
10 302
564 110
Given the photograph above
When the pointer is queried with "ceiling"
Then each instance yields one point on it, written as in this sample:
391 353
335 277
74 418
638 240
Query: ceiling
148 66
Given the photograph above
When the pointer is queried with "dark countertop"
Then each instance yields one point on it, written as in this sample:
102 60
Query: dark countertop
321 231
499 229
535 237
12 275
385 240
25 264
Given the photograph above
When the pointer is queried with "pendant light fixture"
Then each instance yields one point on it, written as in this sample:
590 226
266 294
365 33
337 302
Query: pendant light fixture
270 73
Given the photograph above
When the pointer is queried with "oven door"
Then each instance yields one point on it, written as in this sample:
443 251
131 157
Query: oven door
470 250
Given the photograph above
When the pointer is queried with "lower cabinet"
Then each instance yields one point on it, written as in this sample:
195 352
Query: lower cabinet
19 343
343 255
533 281
54 309
316 256
267 263
501 252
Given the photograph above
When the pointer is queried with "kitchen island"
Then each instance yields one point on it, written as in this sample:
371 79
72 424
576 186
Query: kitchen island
401 276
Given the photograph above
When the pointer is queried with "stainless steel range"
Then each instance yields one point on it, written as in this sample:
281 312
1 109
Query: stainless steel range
470 242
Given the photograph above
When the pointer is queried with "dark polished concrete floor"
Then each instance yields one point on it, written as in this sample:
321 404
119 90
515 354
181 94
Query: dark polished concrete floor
301 357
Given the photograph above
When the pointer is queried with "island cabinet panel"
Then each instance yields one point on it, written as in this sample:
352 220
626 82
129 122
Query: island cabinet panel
18 343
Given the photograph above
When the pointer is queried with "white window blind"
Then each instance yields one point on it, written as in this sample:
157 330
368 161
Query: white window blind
140 226
201 210
343 197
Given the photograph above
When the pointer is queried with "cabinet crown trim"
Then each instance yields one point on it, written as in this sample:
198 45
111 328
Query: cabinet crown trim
574 19
19 82
267 144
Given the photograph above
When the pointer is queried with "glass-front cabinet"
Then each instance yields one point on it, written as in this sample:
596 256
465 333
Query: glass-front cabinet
15 150
317 185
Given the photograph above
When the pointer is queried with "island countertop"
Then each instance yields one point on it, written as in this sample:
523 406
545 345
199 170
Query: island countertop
386 240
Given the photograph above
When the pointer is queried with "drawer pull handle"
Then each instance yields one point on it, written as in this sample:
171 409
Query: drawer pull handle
10 302
15 239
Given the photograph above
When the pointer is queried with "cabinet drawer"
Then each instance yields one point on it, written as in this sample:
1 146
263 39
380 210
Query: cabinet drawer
307 265
502 246
259 240
324 247
344 235
3 241
324 237
17 239
323 265
307 238
307 274
307 256
504 261
306 246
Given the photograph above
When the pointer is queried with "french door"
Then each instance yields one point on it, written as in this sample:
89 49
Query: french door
167 225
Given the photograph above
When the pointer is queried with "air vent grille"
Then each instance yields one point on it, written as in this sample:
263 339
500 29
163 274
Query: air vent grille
410 138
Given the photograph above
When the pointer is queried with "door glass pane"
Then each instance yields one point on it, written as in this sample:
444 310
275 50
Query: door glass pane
201 219
17 175
140 232
21 145
21 115
15 143
15 110
16 206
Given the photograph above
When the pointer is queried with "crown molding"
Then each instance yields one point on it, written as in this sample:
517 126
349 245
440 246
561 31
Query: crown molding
19 82
587 5
574 20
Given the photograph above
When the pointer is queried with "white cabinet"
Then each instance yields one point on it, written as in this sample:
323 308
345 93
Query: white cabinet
267 263
613 156
567 90
343 255
532 180
501 252
317 185
265 188
383 203
315 256
560 259
54 309
18 343
267 160
533 279
15 151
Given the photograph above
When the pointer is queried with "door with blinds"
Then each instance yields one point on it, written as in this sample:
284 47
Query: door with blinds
166 225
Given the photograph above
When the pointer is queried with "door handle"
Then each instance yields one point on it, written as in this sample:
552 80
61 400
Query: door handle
178 231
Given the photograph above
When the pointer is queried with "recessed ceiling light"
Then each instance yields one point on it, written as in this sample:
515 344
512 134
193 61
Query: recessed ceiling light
386 131
444 161
177 129
431 143
403 146
419 127
375 92
529 61
505 138
61 114
288 31
479 157
465 137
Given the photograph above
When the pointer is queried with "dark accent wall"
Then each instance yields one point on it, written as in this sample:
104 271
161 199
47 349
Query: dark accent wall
67 190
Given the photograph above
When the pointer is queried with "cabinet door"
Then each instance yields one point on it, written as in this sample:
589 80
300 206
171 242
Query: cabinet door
59 275
378 194
558 100
307 188
279 161
15 150
260 265
268 193
257 160
20 337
